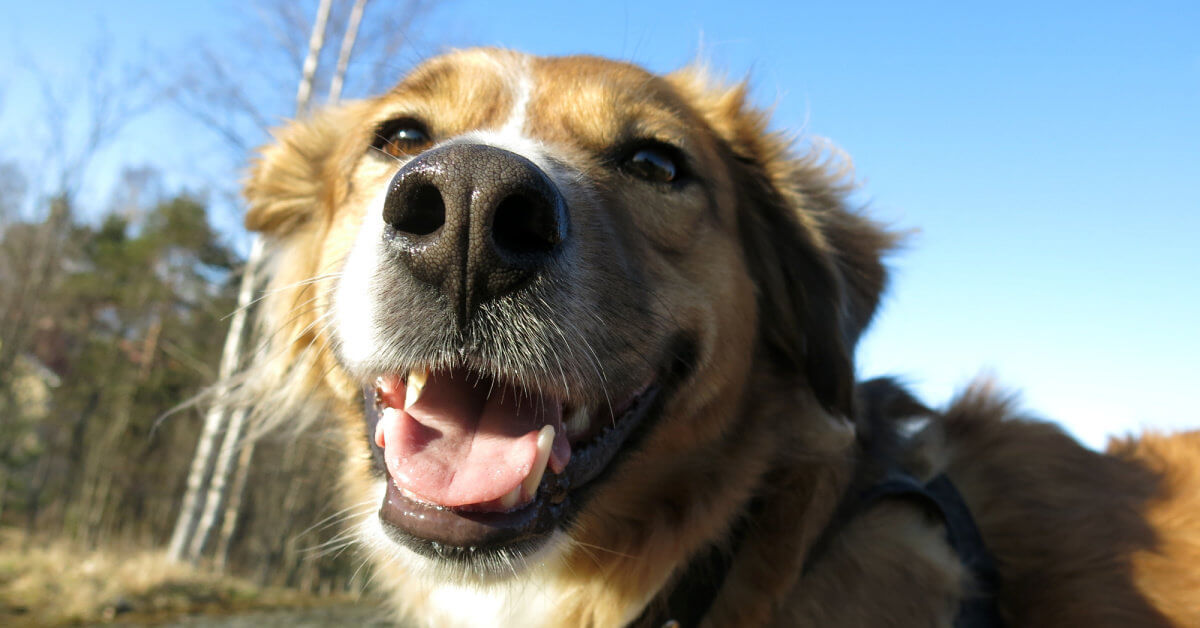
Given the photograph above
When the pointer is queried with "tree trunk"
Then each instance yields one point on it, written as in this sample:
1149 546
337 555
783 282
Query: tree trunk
316 41
214 421
234 507
196 518
219 485
343 62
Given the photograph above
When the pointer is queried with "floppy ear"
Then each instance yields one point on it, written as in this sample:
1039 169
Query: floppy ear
801 302
816 265
292 185
291 179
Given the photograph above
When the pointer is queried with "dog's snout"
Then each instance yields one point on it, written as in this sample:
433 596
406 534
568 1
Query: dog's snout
475 221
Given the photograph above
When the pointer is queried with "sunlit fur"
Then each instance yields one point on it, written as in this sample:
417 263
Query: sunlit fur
1166 573
775 278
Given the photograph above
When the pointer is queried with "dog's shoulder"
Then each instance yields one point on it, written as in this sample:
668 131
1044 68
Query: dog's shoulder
1078 537
1066 524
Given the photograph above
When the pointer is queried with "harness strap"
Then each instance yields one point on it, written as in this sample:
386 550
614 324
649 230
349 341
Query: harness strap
693 595
978 607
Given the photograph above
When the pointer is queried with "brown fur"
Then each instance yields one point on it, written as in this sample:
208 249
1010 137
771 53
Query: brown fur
1063 521
777 279
1166 573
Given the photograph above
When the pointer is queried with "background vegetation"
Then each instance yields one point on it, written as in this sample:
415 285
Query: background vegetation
113 318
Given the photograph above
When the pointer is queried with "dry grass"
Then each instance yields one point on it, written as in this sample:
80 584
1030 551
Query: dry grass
57 583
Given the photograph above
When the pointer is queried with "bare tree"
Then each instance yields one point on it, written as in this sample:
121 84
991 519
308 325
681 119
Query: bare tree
209 483
195 524
239 94
315 43
237 492
236 426
343 61
109 100
189 535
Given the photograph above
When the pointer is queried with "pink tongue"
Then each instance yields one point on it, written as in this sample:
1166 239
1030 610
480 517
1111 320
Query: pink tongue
458 446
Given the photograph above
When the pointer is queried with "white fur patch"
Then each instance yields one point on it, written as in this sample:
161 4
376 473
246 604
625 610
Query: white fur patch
525 601
521 86
354 302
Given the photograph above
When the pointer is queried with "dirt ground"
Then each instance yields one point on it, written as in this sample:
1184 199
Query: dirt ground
54 583
322 617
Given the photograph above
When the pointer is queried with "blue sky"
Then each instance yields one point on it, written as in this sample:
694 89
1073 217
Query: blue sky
1047 159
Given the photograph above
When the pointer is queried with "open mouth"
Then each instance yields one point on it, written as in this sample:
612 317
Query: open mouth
475 464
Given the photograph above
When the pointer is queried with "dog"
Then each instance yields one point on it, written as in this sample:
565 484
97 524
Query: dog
587 335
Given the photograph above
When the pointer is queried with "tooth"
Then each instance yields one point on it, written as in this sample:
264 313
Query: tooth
509 501
388 416
385 384
577 423
416 382
544 442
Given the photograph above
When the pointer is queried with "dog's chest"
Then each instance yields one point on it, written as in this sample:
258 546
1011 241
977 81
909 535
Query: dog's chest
527 603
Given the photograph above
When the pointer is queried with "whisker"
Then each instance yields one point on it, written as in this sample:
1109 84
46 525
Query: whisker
606 550
281 289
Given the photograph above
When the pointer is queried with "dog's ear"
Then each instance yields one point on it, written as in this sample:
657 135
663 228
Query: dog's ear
292 186
817 266
290 179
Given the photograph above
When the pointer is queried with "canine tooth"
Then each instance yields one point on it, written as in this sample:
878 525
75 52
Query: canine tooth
510 500
544 442
416 383
389 416
577 423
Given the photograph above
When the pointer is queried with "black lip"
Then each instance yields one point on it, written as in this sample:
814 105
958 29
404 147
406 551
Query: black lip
472 539
443 533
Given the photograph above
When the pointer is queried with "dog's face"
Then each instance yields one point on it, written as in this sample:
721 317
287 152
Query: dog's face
557 281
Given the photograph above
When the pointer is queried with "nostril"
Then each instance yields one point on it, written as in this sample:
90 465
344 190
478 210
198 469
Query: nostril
420 212
524 225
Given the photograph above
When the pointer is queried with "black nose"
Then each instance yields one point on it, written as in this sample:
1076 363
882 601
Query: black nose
475 221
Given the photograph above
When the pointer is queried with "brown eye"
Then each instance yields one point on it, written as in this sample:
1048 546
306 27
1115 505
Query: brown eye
658 164
402 136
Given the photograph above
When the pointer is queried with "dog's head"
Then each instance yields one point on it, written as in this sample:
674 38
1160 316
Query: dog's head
564 285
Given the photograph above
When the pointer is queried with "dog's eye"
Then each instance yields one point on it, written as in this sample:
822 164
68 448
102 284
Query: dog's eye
658 164
402 136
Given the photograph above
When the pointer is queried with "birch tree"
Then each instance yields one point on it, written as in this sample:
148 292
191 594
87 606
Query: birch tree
215 483
195 522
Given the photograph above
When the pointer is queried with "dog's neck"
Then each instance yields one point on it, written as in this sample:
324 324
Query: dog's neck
726 584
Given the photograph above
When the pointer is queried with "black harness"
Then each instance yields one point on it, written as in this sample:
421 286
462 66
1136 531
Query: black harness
978 607
693 596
